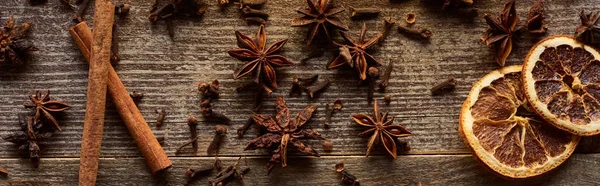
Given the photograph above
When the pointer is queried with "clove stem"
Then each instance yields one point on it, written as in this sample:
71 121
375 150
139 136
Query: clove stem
328 114
193 125
160 119
251 12
444 86
220 132
242 131
318 89
255 20
374 75
362 13
421 32
388 24
386 76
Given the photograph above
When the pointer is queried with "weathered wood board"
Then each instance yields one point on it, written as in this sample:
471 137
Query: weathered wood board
167 71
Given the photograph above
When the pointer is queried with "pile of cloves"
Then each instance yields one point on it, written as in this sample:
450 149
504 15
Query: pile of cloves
209 93
209 90
300 85
347 178
192 123
224 177
220 132
408 29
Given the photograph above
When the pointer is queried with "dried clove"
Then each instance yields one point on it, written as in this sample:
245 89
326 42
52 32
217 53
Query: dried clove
387 26
136 96
172 9
444 86
327 146
211 115
255 21
122 10
337 104
251 12
347 178
218 164
424 33
300 84
363 13
251 3
192 123
387 98
185 144
242 131
374 75
114 47
411 18
232 171
160 119
385 80
209 90
328 114
403 146
317 89
193 173
220 132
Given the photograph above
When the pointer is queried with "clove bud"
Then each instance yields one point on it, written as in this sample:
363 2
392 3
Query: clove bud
444 86
193 125
209 90
388 24
386 76
317 89
160 119
347 178
122 10
220 132
242 131
251 12
363 13
420 32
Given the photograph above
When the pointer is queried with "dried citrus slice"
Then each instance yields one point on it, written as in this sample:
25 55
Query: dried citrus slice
497 123
562 83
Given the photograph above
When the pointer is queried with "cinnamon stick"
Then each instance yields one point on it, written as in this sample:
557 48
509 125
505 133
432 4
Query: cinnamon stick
155 156
96 92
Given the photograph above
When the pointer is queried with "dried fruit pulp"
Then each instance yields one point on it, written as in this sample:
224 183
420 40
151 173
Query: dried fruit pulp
503 131
562 82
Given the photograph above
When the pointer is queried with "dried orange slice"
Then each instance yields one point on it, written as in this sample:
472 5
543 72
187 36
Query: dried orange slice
497 123
562 82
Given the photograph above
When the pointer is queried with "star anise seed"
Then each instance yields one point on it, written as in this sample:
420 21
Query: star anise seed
358 53
381 130
588 31
535 18
259 60
320 15
282 132
502 31
13 46
45 106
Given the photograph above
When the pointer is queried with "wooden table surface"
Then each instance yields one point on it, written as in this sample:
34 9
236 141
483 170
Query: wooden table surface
167 71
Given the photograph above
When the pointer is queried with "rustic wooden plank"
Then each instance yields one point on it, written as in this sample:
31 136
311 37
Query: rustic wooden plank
166 71
580 169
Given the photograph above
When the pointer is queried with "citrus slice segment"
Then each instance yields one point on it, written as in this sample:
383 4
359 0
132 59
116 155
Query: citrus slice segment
505 134
561 78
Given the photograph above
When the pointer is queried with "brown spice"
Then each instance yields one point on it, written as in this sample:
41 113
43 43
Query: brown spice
411 18
385 80
373 75
3 172
192 123
317 89
347 178
320 16
225 176
387 27
209 90
136 96
220 132
193 173
160 118
255 21
588 31
245 127
114 47
444 86
423 33
337 104
28 138
210 115
45 106
502 31
363 13
173 9
316 53
387 98
122 10
327 146
251 12
13 45
300 84
78 18
536 17
359 51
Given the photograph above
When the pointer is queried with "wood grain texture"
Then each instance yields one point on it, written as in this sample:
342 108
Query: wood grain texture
167 71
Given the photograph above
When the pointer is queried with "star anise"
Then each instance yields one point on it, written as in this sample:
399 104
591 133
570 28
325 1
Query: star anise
13 46
381 131
502 31
259 60
320 16
355 53
282 131
535 18
588 31
27 139
45 106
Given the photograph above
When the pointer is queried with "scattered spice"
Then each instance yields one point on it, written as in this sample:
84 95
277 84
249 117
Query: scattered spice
245 127
320 16
381 130
14 46
192 123
328 115
385 80
411 18
27 139
363 13
327 146
255 20
45 106
317 89
259 59
374 75
502 31
160 119
337 104
114 47
359 52
193 173
457 3
136 97
226 175
347 178
218 164
388 24
588 32
444 86
175 8
185 145
122 10
535 18
387 98
251 12
281 131
220 132
209 114
423 33
209 90
300 84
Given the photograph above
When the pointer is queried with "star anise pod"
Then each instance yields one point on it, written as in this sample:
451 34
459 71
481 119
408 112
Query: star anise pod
259 60
381 130
27 139
588 31
13 46
535 18
355 54
283 131
44 106
320 15
502 31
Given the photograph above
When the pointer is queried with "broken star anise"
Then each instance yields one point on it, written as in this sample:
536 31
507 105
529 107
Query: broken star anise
381 130
588 32
535 18
283 131
44 106
259 60
13 46
320 16
27 139
502 31
355 53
